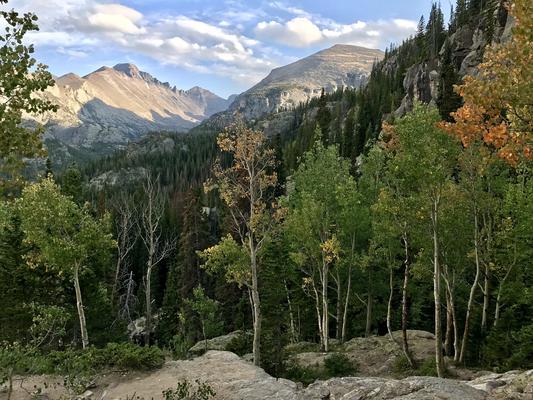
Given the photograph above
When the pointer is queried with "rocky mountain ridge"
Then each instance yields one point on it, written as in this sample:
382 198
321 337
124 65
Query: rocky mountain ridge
110 107
285 87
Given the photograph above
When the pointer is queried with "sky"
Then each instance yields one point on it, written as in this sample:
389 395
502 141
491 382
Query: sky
225 46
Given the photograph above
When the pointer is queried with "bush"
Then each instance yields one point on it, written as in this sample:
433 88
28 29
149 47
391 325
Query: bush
506 350
186 391
130 356
305 375
241 344
338 364
401 365
92 360
428 367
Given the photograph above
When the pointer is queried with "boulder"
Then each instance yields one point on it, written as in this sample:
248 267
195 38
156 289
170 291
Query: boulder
229 375
513 385
216 343
413 388
374 356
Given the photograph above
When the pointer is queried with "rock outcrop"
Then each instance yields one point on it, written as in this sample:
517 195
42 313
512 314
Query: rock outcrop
216 343
467 46
373 356
235 379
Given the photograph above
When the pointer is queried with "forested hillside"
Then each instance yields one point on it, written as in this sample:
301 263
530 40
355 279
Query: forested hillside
404 204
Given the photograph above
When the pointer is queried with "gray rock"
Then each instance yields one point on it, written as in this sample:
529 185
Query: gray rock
373 356
216 343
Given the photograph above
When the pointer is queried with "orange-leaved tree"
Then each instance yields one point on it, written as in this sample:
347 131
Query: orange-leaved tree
498 101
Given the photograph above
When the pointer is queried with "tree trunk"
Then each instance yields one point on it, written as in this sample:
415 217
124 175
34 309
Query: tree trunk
450 293
9 383
257 309
448 337
346 303
319 316
472 291
439 360
405 343
369 301
325 304
389 304
81 311
339 307
486 298
148 300
292 327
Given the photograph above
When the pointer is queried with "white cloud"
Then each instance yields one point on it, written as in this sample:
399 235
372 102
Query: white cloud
232 41
115 18
297 32
305 32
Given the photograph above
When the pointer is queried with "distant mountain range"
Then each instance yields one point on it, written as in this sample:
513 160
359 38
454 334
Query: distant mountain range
110 107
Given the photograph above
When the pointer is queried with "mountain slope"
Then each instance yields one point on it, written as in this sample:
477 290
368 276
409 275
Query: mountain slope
109 107
285 87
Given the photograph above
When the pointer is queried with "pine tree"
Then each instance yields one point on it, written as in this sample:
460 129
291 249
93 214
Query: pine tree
448 100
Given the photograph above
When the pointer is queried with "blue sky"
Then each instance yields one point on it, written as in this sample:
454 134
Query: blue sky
225 46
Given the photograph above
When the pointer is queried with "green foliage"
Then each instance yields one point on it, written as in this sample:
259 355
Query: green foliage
338 364
305 375
402 368
20 79
228 257
48 323
206 310
241 344
64 234
116 356
187 391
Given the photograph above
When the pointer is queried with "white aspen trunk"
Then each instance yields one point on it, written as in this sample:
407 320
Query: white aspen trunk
389 305
472 290
449 321
369 302
346 303
325 313
319 316
339 307
79 305
436 290
486 298
348 289
292 327
405 343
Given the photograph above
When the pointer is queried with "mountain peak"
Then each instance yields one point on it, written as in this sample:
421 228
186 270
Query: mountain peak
129 69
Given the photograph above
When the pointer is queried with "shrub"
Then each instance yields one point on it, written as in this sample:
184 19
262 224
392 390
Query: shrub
428 367
186 391
338 364
241 344
92 360
305 375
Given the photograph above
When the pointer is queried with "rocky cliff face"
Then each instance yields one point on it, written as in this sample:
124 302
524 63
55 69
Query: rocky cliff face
286 87
109 107
467 45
